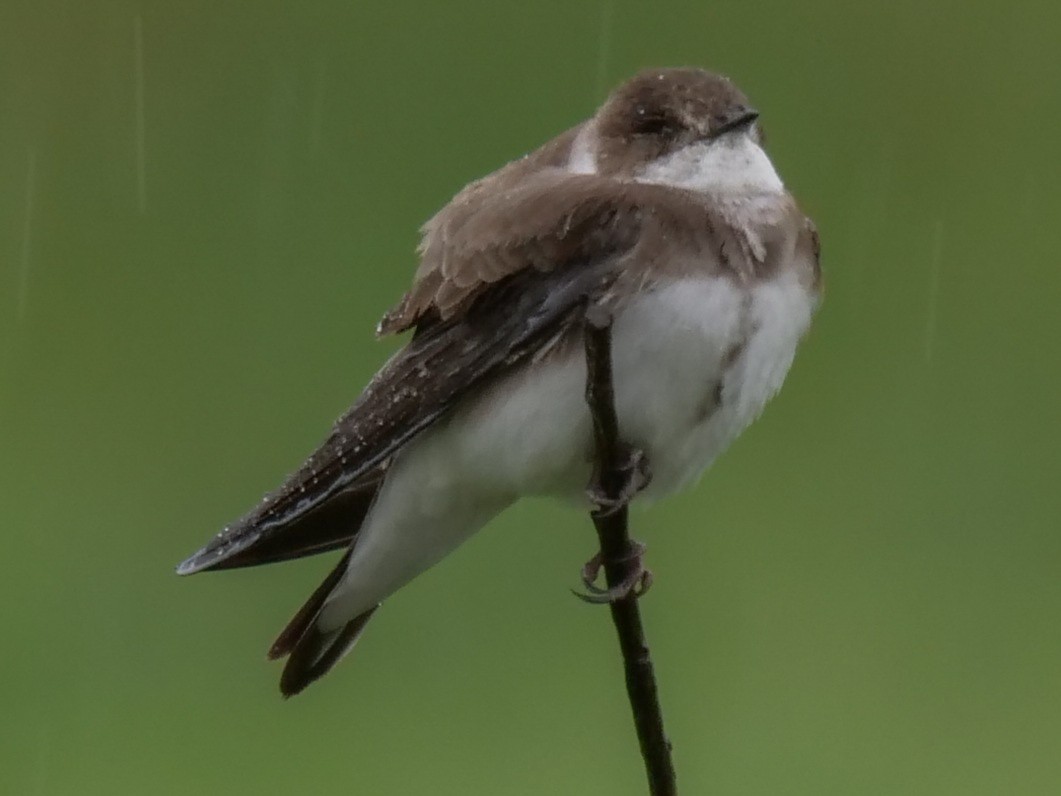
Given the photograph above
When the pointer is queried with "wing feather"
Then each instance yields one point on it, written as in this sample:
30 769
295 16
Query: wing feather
500 279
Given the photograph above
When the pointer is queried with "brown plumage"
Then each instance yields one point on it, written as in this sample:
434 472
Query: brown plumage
505 270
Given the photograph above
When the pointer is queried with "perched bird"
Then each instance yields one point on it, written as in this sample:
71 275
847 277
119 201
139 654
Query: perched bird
664 210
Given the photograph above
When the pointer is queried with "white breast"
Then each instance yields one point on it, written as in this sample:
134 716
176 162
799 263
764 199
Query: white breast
669 349
681 395
725 354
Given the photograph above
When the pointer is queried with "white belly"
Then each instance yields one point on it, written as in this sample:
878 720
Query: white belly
679 398
681 395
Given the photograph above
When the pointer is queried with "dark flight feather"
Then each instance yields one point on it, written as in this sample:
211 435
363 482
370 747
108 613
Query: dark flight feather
414 389
316 653
296 628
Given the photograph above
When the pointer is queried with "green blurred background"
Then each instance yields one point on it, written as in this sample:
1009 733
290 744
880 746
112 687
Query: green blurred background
205 207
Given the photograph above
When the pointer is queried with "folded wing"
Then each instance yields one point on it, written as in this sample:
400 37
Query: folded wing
498 282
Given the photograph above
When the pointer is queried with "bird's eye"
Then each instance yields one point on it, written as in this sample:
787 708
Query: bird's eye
649 123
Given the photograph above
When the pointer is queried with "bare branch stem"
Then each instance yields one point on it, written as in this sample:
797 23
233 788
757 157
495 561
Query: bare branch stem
618 552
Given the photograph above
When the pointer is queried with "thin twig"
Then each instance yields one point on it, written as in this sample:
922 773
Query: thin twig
619 553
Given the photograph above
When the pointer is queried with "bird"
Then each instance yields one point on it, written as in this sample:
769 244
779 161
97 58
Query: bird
661 210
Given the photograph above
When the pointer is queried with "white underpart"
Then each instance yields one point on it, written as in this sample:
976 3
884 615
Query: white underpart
731 163
530 434
583 160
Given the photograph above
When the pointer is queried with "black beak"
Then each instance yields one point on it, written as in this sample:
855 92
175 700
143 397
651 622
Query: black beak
735 118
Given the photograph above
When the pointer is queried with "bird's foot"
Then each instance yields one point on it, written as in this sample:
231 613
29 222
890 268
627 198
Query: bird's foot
635 477
635 582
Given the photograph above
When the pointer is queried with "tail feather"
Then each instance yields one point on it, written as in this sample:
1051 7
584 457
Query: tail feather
307 614
316 652
311 652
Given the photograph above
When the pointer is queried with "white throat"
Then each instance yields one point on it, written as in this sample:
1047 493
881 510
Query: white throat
733 163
